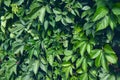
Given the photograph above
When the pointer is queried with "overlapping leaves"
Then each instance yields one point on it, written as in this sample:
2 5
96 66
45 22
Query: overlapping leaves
58 39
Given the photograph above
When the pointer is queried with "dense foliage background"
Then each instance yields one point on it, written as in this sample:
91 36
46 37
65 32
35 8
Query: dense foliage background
59 39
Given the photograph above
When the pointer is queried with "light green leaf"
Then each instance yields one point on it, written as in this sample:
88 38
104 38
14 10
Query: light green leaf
88 48
43 60
57 11
68 19
20 2
42 14
93 72
95 53
112 77
84 76
19 49
84 65
15 8
104 62
51 59
111 58
7 2
35 66
100 13
103 23
113 23
58 17
18 27
74 58
63 21
78 44
65 64
36 53
3 23
2 29
80 71
108 49
110 35
48 9
79 62
46 24
65 43
68 52
86 8
98 61
67 58
83 48
43 67
116 11
87 26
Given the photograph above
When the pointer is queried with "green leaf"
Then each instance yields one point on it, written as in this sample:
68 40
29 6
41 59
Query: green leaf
65 64
19 2
95 53
68 52
57 11
116 11
58 18
19 49
104 62
42 14
111 58
98 61
3 23
14 8
112 22
2 29
43 60
7 2
34 11
74 58
79 62
84 65
9 16
77 45
36 53
67 70
88 48
103 23
17 28
35 66
83 48
93 72
43 67
67 58
87 26
86 8
80 71
63 21
65 43
68 20
78 5
110 35
46 24
48 9
51 59
108 49
100 13
84 76
112 77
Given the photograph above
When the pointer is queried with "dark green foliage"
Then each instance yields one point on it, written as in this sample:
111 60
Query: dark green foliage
59 39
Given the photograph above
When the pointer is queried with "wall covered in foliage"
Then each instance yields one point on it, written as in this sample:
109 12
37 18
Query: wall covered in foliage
59 39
